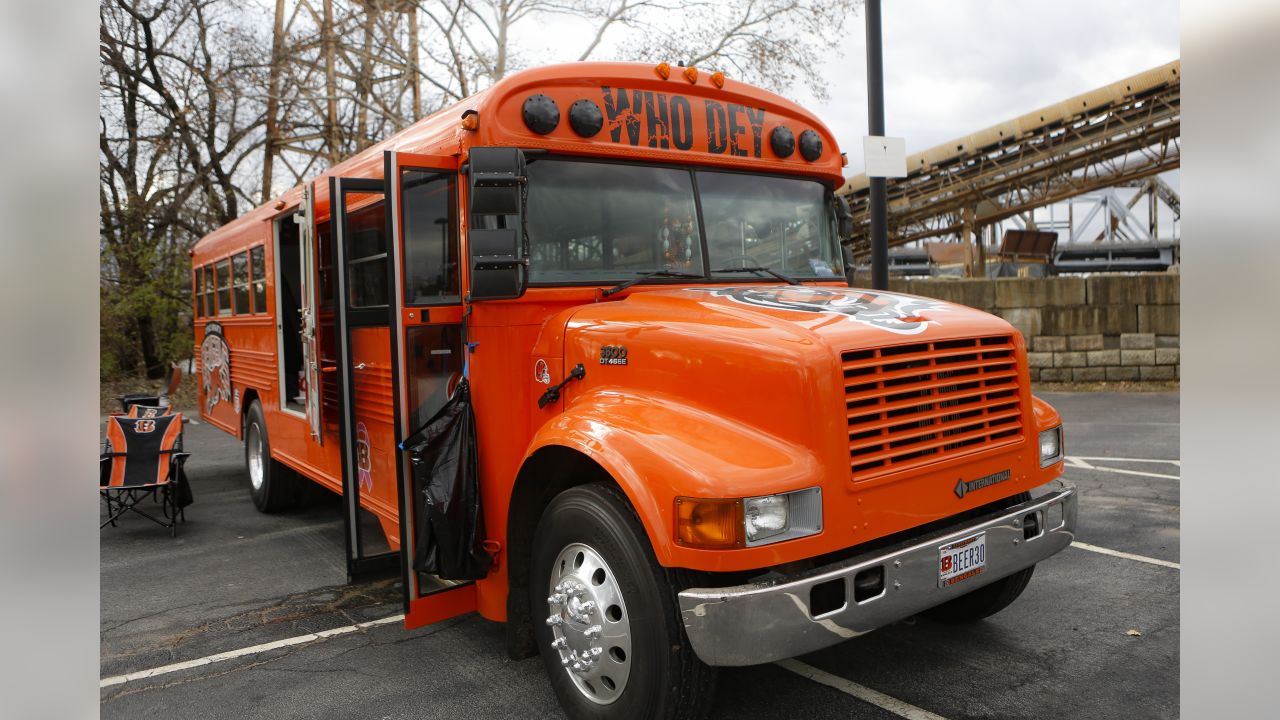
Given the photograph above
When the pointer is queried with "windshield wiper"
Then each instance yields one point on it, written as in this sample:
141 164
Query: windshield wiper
757 269
645 276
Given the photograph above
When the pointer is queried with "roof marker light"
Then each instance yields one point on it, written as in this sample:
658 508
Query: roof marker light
717 79
470 120
663 70
691 74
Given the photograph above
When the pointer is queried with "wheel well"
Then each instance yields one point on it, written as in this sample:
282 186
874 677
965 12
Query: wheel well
245 401
548 472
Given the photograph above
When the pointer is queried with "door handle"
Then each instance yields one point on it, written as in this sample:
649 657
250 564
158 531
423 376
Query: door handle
361 366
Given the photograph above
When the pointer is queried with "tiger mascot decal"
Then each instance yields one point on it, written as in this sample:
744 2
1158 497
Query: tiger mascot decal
215 367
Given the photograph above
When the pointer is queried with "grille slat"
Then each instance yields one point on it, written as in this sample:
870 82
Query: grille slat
912 405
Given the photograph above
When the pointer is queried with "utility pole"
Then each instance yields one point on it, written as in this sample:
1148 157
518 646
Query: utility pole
875 127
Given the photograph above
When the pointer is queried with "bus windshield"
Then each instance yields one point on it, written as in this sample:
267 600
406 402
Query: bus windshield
599 222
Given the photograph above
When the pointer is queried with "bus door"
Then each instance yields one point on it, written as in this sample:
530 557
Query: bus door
426 283
366 390
309 311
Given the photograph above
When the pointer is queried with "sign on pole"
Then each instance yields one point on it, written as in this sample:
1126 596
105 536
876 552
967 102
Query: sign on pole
885 157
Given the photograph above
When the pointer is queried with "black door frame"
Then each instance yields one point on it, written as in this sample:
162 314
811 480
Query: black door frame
359 566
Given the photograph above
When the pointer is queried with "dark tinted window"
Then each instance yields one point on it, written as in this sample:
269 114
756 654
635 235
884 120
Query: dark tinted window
209 287
197 293
258 277
592 221
367 257
430 237
774 222
240 282
224 287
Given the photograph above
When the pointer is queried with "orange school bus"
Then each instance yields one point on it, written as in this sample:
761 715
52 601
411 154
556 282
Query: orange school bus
695 446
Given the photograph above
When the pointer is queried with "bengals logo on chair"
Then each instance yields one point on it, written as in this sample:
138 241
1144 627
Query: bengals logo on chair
145 426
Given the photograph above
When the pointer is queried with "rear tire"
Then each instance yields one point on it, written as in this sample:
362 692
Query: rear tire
645 667
985 601
272 486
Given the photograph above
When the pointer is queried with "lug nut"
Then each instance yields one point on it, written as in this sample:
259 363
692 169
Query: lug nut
555 620
592 632
559 643
588 607
556 599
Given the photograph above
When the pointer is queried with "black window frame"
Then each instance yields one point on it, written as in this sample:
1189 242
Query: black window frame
197 291
210 290
708 277
221 270
451 180
258 283
238 287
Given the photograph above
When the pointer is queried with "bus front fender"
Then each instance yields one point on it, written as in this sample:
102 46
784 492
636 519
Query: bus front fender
658 448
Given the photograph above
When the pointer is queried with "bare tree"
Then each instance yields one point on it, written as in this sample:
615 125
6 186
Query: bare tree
178 130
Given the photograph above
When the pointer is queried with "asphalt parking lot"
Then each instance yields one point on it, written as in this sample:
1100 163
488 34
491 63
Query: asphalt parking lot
1094 636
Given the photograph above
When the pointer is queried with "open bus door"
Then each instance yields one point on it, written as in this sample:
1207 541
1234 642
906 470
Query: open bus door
366 402
309 310
422 212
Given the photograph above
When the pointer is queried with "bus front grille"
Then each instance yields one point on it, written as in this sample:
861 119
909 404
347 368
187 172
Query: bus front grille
918 404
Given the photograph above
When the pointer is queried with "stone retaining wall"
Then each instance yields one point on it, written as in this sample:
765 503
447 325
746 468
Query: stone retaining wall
1099 328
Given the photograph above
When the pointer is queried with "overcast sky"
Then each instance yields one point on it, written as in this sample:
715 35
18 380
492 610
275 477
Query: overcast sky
952 68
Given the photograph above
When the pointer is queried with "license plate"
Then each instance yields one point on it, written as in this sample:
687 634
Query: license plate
962 559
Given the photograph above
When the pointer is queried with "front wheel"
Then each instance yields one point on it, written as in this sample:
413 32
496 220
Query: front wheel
605 614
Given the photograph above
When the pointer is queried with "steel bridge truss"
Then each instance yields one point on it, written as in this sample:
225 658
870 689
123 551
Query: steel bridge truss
1118 135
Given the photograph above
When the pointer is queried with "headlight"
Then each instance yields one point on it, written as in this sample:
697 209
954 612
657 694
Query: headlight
1050 446
716 524
773 518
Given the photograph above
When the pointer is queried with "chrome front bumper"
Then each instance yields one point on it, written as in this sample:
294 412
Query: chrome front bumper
768 621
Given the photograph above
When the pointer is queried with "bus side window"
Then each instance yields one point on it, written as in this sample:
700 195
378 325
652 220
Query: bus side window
258 277
209 288
198 295
224 287
240 282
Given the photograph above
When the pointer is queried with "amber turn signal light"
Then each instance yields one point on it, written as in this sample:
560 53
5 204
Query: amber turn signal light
710 524
691 74
663 70
471 120
717 79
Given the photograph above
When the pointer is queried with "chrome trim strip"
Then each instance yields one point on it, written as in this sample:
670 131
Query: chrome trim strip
763 622
406 473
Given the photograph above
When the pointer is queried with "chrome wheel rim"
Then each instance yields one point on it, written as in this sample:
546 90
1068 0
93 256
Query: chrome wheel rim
254 443
590 626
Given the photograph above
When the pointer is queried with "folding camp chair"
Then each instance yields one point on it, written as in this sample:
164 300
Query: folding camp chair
143 458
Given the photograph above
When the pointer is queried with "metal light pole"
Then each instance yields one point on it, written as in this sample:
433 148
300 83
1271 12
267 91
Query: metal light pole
875 127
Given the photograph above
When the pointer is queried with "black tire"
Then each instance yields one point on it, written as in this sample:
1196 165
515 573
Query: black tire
279 487
666 679
985 601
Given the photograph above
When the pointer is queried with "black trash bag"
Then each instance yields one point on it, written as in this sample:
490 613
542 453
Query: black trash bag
182 486
446 498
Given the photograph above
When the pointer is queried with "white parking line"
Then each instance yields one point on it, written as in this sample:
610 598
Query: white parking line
1125 555
1084 463
862 692
255 649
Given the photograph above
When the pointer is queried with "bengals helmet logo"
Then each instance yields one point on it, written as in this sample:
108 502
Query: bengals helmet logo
896 313
215 367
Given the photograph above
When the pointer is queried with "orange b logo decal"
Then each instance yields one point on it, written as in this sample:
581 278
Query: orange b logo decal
145 426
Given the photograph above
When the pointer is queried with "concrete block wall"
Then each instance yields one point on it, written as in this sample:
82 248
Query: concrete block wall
1078 329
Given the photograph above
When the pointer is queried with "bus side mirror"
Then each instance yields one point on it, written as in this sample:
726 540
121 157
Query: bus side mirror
844 216
496 239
